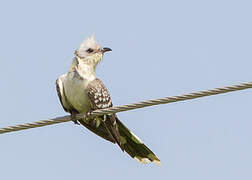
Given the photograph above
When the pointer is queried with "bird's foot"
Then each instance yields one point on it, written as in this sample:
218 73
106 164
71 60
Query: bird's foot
73 118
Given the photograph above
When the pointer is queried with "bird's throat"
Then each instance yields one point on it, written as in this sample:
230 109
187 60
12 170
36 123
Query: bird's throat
85 71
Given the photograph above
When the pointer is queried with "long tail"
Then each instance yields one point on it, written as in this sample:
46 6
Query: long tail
134 146
120 134
111 126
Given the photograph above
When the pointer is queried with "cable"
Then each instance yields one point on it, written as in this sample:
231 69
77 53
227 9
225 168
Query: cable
130 107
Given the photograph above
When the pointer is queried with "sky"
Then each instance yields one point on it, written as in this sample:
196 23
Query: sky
160 48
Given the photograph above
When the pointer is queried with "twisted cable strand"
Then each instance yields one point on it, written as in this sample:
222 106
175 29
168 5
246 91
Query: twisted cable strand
167 100
34 124
130 107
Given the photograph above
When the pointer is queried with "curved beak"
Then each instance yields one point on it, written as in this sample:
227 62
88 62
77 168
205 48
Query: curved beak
106 49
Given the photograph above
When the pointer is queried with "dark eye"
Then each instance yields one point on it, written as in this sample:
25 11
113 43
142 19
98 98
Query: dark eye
90 50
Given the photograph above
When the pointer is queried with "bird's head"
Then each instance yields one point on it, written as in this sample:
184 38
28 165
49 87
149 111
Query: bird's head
90 52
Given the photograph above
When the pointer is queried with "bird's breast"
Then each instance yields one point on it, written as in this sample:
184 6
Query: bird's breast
75 91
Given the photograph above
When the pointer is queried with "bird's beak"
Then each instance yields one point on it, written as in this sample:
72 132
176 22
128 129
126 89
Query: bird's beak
106 49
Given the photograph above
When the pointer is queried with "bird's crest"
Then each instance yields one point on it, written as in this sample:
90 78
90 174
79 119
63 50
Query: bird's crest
89 43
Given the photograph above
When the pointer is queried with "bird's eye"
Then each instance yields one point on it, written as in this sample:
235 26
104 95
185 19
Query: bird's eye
89 50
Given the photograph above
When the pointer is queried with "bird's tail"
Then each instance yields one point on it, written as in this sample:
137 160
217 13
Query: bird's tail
134 146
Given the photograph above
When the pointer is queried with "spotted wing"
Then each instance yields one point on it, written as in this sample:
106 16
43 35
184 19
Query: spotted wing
99 99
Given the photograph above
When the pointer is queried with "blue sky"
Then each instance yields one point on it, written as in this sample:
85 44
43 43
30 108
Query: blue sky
160 48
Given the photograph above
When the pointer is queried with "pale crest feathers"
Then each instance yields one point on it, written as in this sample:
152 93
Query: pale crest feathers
85 45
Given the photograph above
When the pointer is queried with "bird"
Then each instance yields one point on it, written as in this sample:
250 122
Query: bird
80 91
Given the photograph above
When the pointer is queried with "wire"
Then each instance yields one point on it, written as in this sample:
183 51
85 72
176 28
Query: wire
128 107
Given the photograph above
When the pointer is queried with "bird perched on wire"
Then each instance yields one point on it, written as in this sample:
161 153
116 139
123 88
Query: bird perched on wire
80 91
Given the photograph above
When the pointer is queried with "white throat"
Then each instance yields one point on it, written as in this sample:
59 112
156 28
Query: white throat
85 70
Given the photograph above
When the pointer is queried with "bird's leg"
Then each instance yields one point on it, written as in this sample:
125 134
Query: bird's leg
73 118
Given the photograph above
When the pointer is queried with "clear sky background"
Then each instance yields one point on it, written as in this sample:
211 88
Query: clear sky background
160 48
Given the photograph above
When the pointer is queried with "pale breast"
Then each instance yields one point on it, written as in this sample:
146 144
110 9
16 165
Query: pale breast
75 92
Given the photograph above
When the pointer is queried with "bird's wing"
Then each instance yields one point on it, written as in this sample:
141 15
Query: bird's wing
99 99
127 140
61 94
